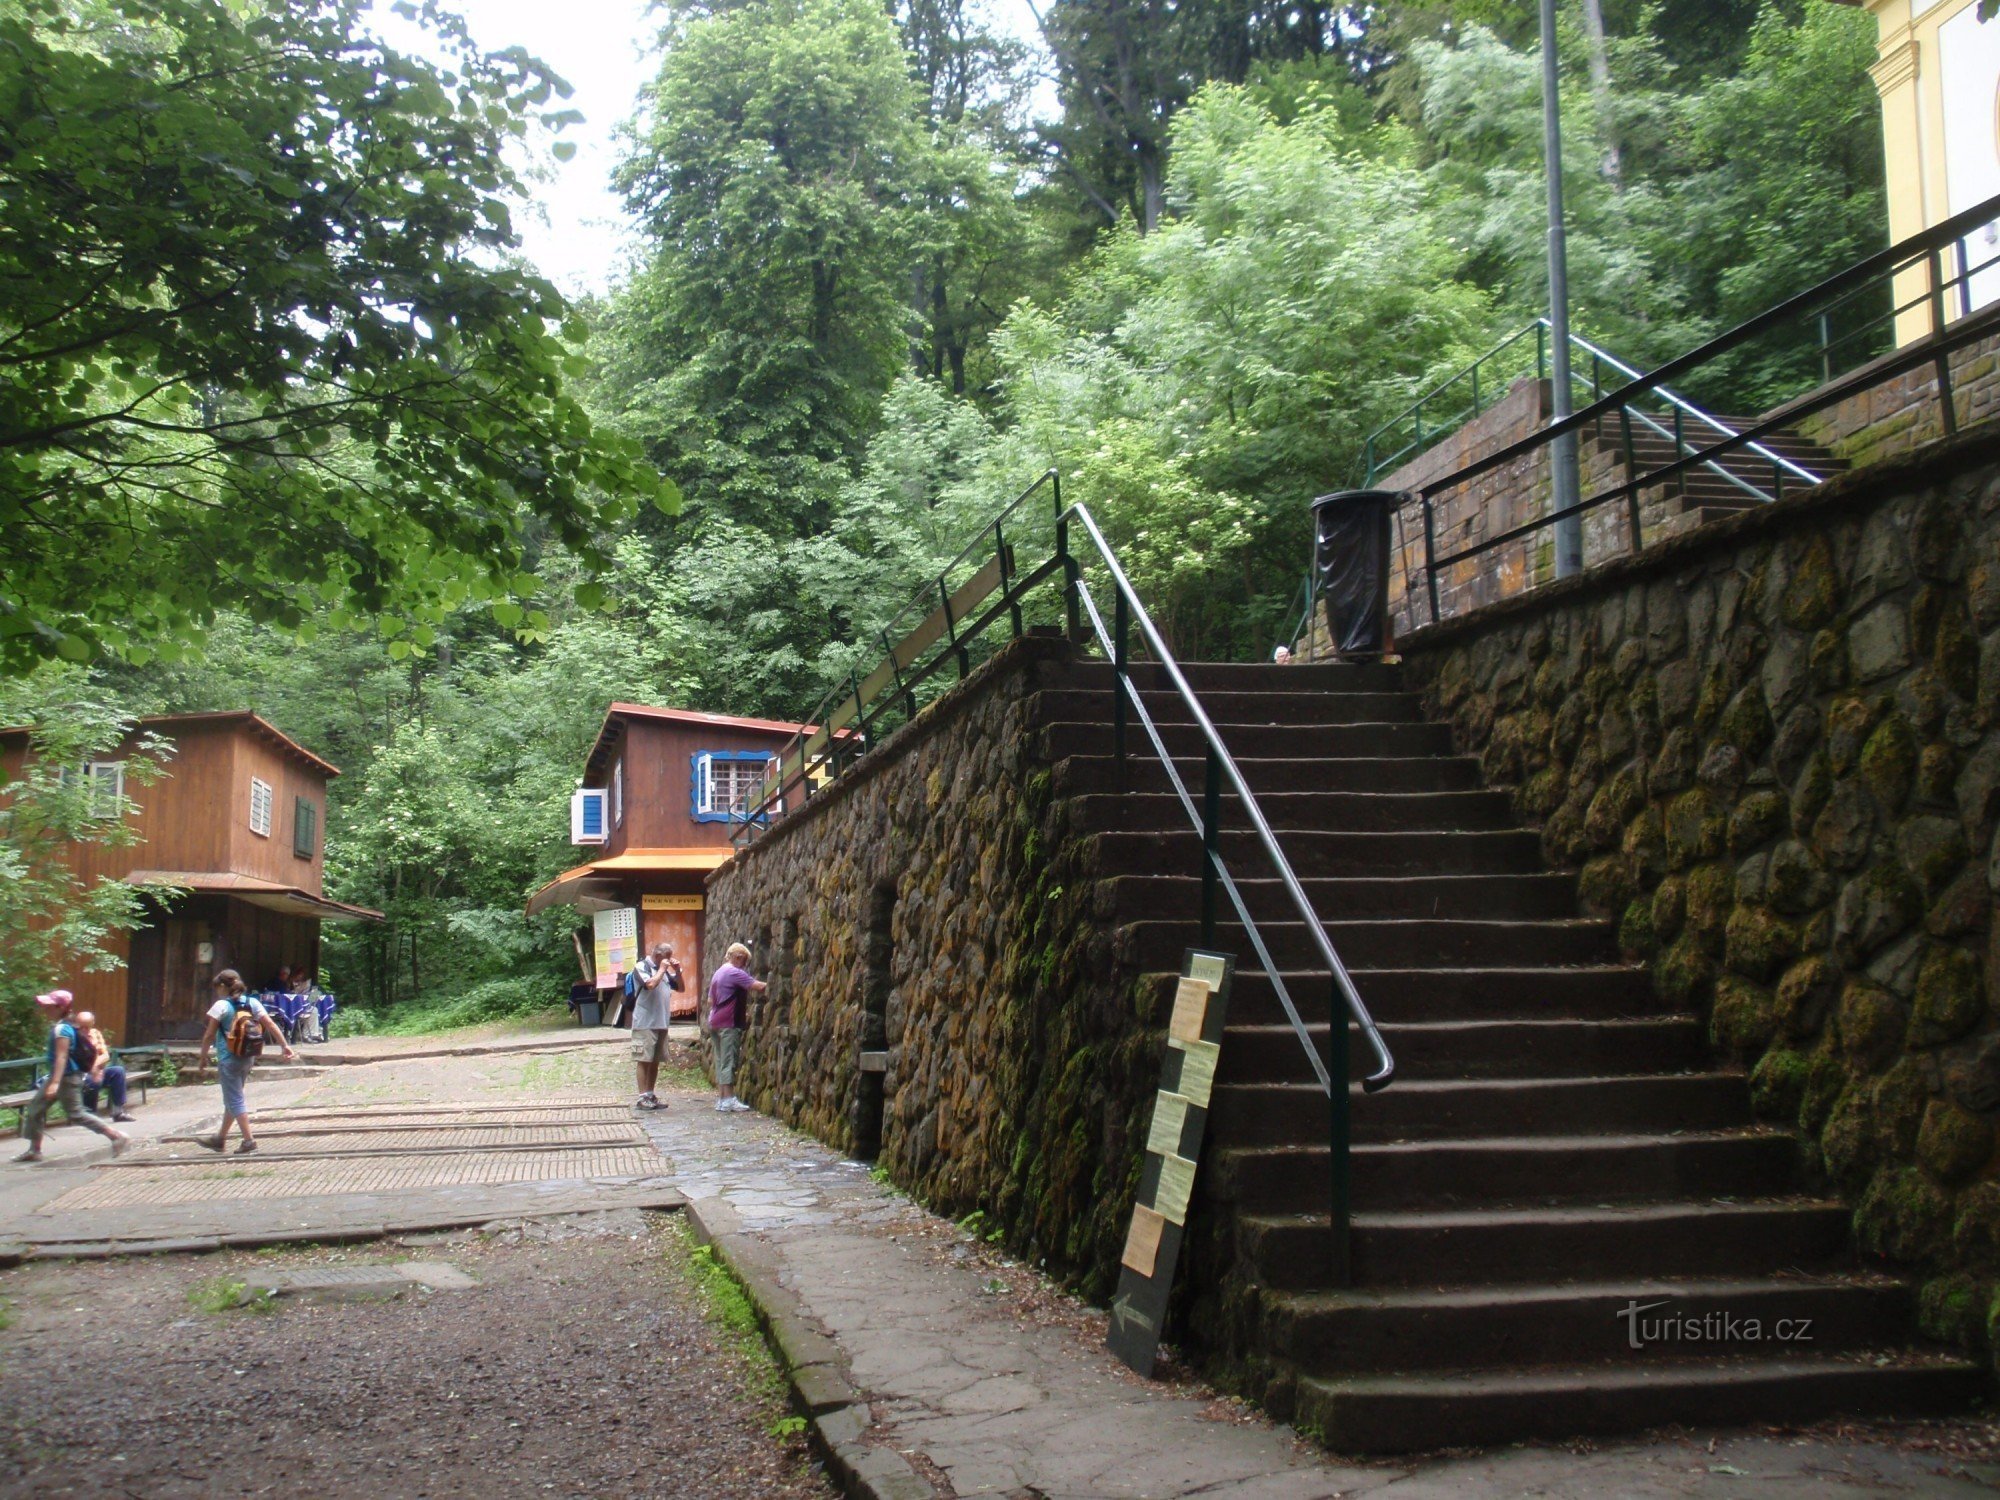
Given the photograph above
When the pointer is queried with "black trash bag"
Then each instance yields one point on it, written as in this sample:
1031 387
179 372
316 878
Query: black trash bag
1351 535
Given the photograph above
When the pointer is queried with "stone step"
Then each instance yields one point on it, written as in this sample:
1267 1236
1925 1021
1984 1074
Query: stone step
1150 945
1218 677
1416 1412
1620 1322
1523 992
1564 1047
1090 734
1125 898
1143 772
1277 1114
1289 812
1230 710
1539 1244
1475 1173
1499 851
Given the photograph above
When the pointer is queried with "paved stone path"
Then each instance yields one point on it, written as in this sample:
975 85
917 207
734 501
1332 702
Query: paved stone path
975 1385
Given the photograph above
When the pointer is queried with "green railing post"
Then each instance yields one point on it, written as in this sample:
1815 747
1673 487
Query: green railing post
951 632
1120 636
1825 350
1947 409
1007 578
1541 350
860 718
1631 477
1368 462
896 670
1211 843
1430 556
1340 1136
1072 609
1475 388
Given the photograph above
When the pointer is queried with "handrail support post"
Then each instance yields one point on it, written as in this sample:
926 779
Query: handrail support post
1340 1138
1211 842
1121 634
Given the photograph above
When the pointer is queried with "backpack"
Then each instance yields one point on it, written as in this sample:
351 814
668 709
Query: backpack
246 1032
632 984
81 1050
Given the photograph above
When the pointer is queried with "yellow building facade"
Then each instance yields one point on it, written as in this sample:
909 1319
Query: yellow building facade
1937 70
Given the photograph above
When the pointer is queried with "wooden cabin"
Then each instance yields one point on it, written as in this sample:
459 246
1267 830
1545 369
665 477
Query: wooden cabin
238 824
659 791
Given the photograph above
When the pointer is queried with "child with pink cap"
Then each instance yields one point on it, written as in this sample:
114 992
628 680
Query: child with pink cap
64 1083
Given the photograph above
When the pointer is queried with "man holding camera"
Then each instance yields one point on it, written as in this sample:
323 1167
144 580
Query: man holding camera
658 975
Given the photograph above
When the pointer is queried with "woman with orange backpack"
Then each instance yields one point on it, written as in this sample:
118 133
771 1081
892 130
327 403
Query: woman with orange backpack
237 1024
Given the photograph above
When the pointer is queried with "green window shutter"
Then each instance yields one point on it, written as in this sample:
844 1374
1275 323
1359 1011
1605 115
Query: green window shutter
305 828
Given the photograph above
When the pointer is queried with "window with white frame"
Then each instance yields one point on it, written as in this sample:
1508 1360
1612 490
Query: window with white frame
618 794
728 783
260 807
106 782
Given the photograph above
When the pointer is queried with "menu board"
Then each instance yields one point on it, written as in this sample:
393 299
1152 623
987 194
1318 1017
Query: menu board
617 944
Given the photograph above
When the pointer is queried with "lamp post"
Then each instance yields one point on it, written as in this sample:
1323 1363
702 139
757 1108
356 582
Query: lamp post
1564 490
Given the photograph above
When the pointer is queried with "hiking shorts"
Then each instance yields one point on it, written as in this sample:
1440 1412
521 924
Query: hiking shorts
649 1046
728 1053
232 1072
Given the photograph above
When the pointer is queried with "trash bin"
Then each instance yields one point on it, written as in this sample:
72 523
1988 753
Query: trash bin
1351 549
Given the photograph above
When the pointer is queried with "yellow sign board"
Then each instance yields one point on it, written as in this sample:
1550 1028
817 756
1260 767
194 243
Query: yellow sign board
671 903
617 945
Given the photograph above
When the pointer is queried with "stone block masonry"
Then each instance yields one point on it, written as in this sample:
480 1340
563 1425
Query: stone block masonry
932 904
1772 746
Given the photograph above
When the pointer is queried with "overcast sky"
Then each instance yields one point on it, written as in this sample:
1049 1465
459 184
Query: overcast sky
575 230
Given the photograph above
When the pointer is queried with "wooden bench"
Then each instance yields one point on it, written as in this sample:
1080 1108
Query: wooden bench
135 1077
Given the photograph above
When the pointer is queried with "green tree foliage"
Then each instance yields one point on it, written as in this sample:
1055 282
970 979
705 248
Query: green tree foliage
258 341
55 922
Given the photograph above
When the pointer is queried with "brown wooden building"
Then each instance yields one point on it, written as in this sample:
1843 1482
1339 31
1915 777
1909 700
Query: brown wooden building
658 792
237 823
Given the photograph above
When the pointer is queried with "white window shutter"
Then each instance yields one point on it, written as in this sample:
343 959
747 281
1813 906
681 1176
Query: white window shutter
704 784
586 816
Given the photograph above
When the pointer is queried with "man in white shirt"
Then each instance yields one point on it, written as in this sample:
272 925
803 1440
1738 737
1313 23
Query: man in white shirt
658 976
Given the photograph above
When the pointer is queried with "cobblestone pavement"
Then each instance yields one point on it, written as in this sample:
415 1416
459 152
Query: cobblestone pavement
987 1382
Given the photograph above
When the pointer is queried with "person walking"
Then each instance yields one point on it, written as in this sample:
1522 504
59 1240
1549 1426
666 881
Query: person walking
658 977
100 1074
729 993
236 1027
63 1083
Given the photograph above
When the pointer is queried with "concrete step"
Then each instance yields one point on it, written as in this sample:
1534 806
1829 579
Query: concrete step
1367 944
1233 709
1363 1331
1301 773
1125 898
1276 1114
1538 1244
1090 734
1523 992
1556 1048
1217 677
1416 1412
1520 1170
1316 812
1498 851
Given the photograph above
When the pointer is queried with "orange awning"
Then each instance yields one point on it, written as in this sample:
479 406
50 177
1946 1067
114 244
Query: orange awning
593 887
268 894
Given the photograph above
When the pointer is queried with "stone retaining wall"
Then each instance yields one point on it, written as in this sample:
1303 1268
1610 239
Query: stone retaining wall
932 905
1771 747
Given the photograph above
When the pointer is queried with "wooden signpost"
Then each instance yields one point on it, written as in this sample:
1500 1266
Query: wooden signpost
1173 1146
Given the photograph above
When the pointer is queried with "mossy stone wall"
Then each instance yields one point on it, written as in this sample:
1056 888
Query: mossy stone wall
1772 747
1021 1057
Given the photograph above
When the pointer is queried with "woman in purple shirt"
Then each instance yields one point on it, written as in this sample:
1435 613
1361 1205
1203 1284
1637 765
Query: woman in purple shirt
728 995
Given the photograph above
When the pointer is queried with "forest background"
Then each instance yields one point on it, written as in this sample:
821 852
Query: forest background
878 294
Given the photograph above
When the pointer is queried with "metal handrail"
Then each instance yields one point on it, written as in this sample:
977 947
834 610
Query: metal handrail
1219 756
1924 250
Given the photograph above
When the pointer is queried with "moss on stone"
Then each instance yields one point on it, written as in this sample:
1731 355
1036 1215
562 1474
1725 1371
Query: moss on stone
1889 761
1903 1215
1848 722
1711 895
1953 1310
1757 944
1877 906
1932 850
1778 1084
1900 1097
1795 881
1804 992
1937 769
1605 885
1847 1139
1673 768
1670 907
1955 656
1871 1024
1759 817
1542 793
1746 722
1975 1234
1812 593
1683 972
1744 1017
1696 828
1646 841
1950 998
1617 802
1953 1143
1810 792
1829 660
1826 1076
1636 938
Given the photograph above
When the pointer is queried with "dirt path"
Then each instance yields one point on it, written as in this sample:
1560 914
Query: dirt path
588 1360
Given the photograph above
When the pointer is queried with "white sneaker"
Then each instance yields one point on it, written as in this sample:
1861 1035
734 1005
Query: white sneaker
737 1106
722 1106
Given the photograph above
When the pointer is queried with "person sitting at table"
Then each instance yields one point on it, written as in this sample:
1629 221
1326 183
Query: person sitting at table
103 1074
309 994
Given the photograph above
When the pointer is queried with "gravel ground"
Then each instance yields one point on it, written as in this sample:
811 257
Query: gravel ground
593 1359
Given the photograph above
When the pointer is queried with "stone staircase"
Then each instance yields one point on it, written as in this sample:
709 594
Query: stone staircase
1557 1148
1700 494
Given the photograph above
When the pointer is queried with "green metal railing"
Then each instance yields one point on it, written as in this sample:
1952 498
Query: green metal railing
1000 592
1922 257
